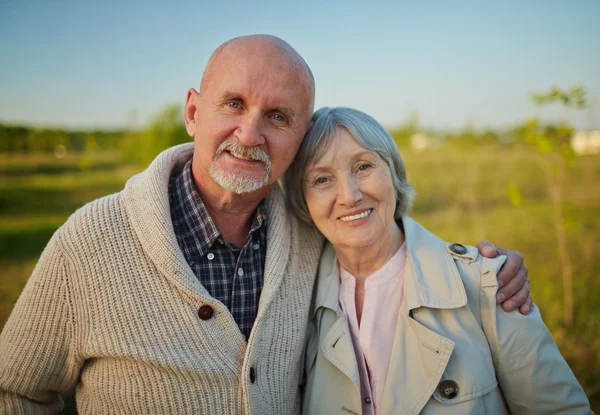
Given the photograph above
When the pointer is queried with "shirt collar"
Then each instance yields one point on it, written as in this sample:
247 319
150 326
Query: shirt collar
196 219
388 271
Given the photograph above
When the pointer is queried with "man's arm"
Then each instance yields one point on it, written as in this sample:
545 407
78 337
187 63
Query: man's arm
37 358
512 279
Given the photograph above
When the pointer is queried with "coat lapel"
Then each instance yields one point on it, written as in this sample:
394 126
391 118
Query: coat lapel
419 355
337 346
146 200
278 246
419 358
431 278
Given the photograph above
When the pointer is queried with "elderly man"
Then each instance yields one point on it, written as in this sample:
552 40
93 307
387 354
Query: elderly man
188 291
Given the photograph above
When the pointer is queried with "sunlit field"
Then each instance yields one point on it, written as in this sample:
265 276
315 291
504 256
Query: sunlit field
464 194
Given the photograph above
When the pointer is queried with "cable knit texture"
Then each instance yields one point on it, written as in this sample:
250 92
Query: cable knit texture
112 309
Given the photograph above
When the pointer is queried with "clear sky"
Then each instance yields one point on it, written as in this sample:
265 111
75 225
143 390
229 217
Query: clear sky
97 63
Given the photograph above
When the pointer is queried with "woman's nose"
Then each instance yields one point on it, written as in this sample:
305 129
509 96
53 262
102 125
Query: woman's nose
349 192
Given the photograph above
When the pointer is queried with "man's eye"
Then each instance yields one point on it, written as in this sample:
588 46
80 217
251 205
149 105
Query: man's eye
278 117
233 104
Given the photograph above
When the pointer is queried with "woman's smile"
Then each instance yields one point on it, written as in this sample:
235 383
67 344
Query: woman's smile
350 196
356 216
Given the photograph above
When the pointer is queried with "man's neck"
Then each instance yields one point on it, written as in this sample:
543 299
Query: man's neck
232 213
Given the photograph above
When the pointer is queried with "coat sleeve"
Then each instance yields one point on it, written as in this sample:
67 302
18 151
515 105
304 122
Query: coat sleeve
37 356
533 375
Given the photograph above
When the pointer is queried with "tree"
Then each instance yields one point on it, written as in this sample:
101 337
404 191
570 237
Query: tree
165 130
552 143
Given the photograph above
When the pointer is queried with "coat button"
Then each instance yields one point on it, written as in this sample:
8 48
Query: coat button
458 249
448 389
205 312
367 400
252 375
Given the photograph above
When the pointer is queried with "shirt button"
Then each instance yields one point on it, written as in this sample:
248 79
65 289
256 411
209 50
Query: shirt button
255 247
367 400
210 256
205 312
240 272
252 375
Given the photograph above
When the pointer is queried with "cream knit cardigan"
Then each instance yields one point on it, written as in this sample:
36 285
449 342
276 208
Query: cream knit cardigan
111 309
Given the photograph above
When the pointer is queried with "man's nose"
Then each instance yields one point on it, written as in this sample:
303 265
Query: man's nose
349 192
249 132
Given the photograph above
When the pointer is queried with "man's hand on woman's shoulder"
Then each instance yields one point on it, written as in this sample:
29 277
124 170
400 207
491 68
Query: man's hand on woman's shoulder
513 283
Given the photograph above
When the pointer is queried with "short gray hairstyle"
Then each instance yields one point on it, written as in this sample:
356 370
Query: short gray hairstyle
368 132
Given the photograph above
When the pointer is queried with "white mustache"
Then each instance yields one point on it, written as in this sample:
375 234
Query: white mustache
238 150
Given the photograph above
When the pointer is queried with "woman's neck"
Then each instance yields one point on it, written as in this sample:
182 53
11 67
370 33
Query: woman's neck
364 261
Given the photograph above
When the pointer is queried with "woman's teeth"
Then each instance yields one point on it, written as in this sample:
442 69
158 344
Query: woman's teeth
357 216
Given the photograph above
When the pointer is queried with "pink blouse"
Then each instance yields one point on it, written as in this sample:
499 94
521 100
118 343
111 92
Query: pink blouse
373 339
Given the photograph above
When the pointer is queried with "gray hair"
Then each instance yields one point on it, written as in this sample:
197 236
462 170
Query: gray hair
368 132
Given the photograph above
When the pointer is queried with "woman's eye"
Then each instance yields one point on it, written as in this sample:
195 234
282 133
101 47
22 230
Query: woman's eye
321 180
364 167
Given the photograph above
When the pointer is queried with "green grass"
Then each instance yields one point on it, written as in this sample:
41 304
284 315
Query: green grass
462 195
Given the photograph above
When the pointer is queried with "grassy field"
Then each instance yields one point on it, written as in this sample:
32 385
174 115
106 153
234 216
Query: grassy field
462 195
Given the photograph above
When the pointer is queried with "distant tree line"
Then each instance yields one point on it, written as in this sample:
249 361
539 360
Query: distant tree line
164 130
26 139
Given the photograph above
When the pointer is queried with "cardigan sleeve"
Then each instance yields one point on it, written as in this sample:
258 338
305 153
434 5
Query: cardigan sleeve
533 375
37 357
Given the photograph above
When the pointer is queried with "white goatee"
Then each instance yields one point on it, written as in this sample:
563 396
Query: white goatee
238 183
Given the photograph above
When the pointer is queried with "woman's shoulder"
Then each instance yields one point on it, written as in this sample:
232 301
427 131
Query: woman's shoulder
450 272
475 270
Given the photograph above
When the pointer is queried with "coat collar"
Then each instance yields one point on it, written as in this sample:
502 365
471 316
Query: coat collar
328 281
431 278
146 201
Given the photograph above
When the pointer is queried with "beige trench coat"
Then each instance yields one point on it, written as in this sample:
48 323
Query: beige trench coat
449 329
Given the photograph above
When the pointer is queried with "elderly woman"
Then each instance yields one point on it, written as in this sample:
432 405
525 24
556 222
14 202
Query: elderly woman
402 322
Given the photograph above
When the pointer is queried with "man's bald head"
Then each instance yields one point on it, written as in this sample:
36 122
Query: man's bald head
269 48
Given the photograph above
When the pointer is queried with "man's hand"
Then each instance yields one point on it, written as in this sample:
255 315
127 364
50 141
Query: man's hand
512 278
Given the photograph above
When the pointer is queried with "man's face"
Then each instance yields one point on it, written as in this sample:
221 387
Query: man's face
250 118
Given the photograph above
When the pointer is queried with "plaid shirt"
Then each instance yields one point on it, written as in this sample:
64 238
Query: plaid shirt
230 275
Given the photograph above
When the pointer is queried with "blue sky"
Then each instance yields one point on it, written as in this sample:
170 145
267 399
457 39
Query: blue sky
106 63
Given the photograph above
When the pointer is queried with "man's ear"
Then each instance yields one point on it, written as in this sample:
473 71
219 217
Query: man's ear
189 112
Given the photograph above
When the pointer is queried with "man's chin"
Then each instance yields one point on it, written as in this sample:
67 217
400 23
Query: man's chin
238 184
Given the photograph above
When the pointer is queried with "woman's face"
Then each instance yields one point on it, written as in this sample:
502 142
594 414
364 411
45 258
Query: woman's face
350 194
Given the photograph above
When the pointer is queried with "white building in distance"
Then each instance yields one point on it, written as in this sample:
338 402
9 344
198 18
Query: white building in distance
586 142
